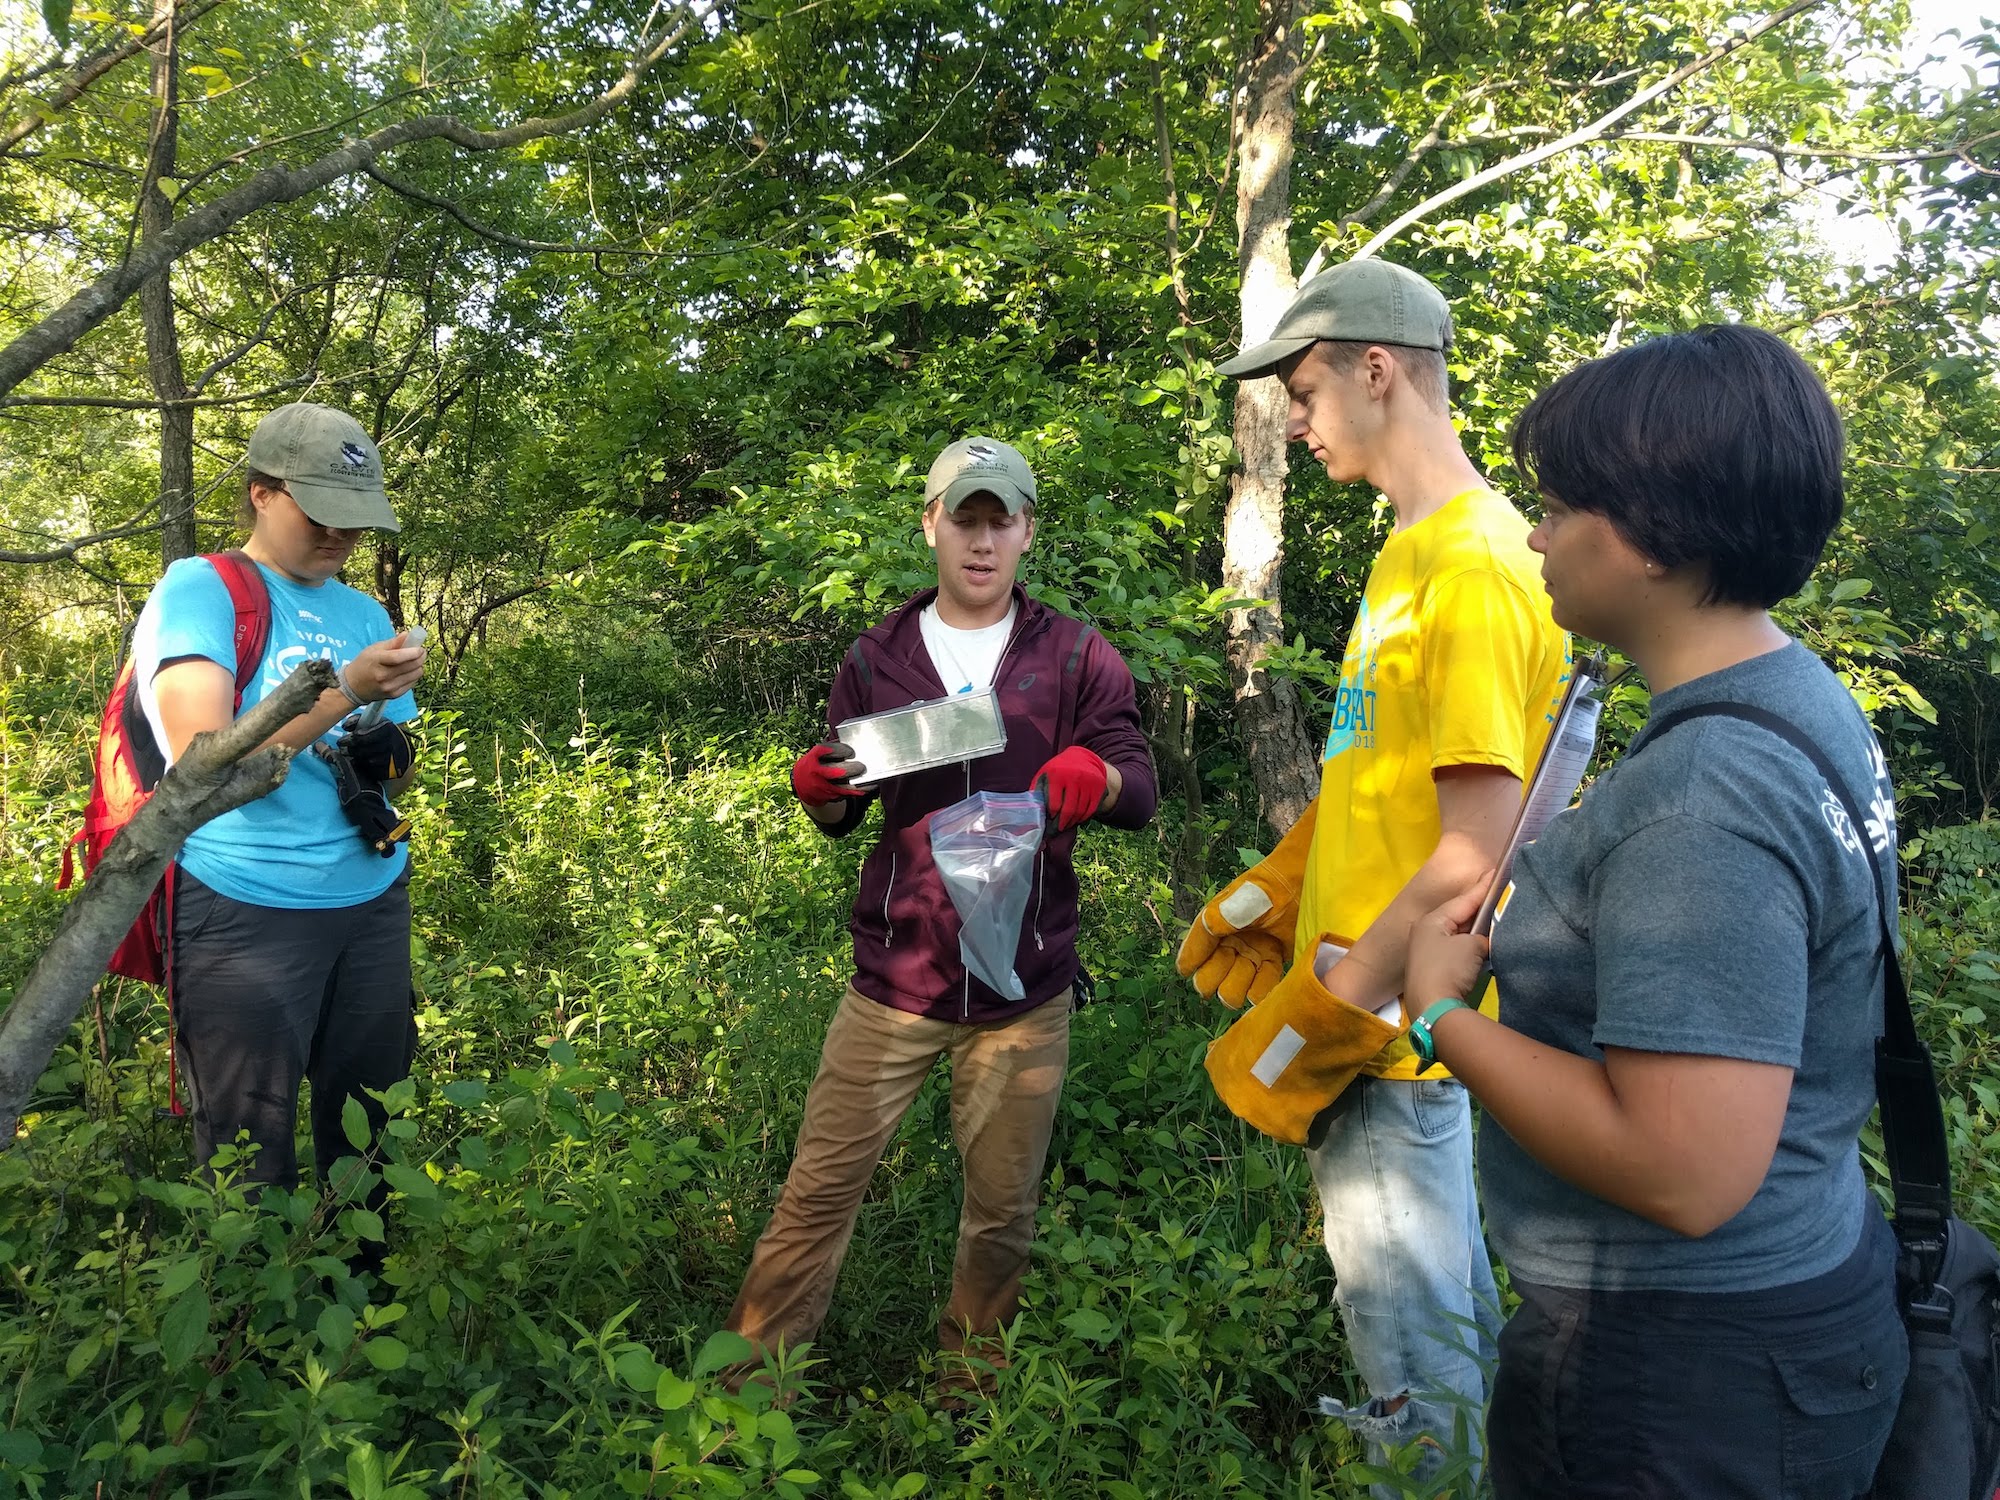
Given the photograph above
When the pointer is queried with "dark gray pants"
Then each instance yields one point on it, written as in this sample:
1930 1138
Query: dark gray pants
265 996
1782 1394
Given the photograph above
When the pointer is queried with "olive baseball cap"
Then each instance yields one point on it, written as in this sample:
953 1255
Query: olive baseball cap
1359 301
331 467
981 466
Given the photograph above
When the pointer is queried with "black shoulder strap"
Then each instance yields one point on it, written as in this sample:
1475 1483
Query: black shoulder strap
1913 1128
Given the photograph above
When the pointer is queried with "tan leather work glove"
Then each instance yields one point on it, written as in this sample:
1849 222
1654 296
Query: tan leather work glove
1241 942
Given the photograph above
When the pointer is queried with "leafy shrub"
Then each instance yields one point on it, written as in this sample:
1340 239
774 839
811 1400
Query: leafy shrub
627 952
628 947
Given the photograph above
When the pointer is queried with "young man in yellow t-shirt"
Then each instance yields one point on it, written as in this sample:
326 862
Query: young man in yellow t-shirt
1448 688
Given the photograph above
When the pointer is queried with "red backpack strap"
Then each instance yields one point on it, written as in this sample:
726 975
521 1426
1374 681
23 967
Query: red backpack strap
241 576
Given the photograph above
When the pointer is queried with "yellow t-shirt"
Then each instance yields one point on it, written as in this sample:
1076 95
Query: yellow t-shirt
1453 660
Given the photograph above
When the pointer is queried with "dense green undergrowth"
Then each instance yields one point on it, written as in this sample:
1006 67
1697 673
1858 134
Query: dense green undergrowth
629 944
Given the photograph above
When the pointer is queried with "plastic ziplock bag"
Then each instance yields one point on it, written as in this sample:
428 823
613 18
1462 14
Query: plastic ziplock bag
985 851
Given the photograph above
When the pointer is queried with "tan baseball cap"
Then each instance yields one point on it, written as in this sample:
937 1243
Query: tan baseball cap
981 466
1361 302
331 467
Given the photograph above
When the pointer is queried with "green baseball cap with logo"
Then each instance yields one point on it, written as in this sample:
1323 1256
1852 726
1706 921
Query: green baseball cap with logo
330 466
1361 302
981 466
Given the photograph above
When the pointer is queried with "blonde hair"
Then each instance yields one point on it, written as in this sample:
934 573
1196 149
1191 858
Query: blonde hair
1423 368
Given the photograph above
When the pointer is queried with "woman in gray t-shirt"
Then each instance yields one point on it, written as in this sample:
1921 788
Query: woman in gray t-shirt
1687 966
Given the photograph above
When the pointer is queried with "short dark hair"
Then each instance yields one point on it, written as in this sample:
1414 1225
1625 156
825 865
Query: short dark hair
1718 447
1423 368
246 508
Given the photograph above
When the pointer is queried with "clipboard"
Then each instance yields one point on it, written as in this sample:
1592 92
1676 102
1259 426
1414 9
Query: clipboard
1558 773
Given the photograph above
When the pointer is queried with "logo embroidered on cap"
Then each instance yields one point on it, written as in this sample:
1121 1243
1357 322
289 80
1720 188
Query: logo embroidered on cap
355 454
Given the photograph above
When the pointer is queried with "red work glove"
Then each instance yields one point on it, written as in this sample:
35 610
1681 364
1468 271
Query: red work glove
1076 780
822 774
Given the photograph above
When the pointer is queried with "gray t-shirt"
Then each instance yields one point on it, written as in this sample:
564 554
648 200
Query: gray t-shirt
1707 896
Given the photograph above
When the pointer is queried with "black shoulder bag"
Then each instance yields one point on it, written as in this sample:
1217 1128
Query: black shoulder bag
1946 1441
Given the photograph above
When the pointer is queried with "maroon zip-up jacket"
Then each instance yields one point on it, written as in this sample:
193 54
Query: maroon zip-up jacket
1060 683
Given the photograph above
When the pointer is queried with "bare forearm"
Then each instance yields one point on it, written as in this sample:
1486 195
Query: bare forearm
1566 1112
1372 972
1114 783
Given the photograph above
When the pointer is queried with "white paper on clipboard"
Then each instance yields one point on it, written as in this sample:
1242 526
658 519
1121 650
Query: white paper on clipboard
1558 774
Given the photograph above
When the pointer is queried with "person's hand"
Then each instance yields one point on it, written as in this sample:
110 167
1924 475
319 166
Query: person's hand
1241 942
824 773
380 752
1075 779
1445 959
387 669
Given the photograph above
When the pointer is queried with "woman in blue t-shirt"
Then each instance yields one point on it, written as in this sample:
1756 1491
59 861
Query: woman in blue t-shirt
1688 971
289 950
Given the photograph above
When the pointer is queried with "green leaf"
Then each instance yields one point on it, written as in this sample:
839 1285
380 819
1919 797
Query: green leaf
1089 1325
364 1472
335 1329
184 1327
363 1224
408 1180
83 1355
637 1369
465 1092
387 1352
354 1123
723 1348
673 1392
55 15
1851 588
179 1275
1399 16
20 1448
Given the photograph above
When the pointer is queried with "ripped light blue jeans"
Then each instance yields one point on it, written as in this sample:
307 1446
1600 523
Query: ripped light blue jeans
1411 1272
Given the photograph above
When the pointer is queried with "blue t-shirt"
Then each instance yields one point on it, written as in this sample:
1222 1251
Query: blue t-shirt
1708 895
294 848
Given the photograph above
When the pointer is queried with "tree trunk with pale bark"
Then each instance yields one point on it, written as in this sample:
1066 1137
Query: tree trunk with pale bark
1269 711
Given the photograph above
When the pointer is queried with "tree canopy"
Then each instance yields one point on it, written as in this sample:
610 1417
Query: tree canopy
657 312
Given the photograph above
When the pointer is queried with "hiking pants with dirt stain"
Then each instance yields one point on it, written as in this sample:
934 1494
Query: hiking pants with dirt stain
1005 1083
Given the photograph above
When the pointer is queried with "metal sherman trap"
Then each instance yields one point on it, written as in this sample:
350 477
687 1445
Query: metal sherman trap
920 736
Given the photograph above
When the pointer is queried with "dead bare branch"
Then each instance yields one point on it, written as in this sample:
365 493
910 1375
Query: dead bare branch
220 771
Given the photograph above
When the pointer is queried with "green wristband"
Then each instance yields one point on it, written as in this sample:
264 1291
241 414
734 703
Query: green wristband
1421 1040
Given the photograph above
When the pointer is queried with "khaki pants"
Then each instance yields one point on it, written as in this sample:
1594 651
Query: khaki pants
1006 1077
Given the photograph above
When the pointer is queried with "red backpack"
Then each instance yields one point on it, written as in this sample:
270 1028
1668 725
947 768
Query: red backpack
130 762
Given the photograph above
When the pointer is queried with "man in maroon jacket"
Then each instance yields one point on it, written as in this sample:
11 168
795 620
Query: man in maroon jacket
1072 726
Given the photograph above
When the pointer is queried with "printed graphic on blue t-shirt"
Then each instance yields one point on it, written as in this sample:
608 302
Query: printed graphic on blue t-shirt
294 848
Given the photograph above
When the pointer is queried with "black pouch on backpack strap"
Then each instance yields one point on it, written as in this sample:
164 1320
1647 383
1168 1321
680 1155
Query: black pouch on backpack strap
1953 1388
